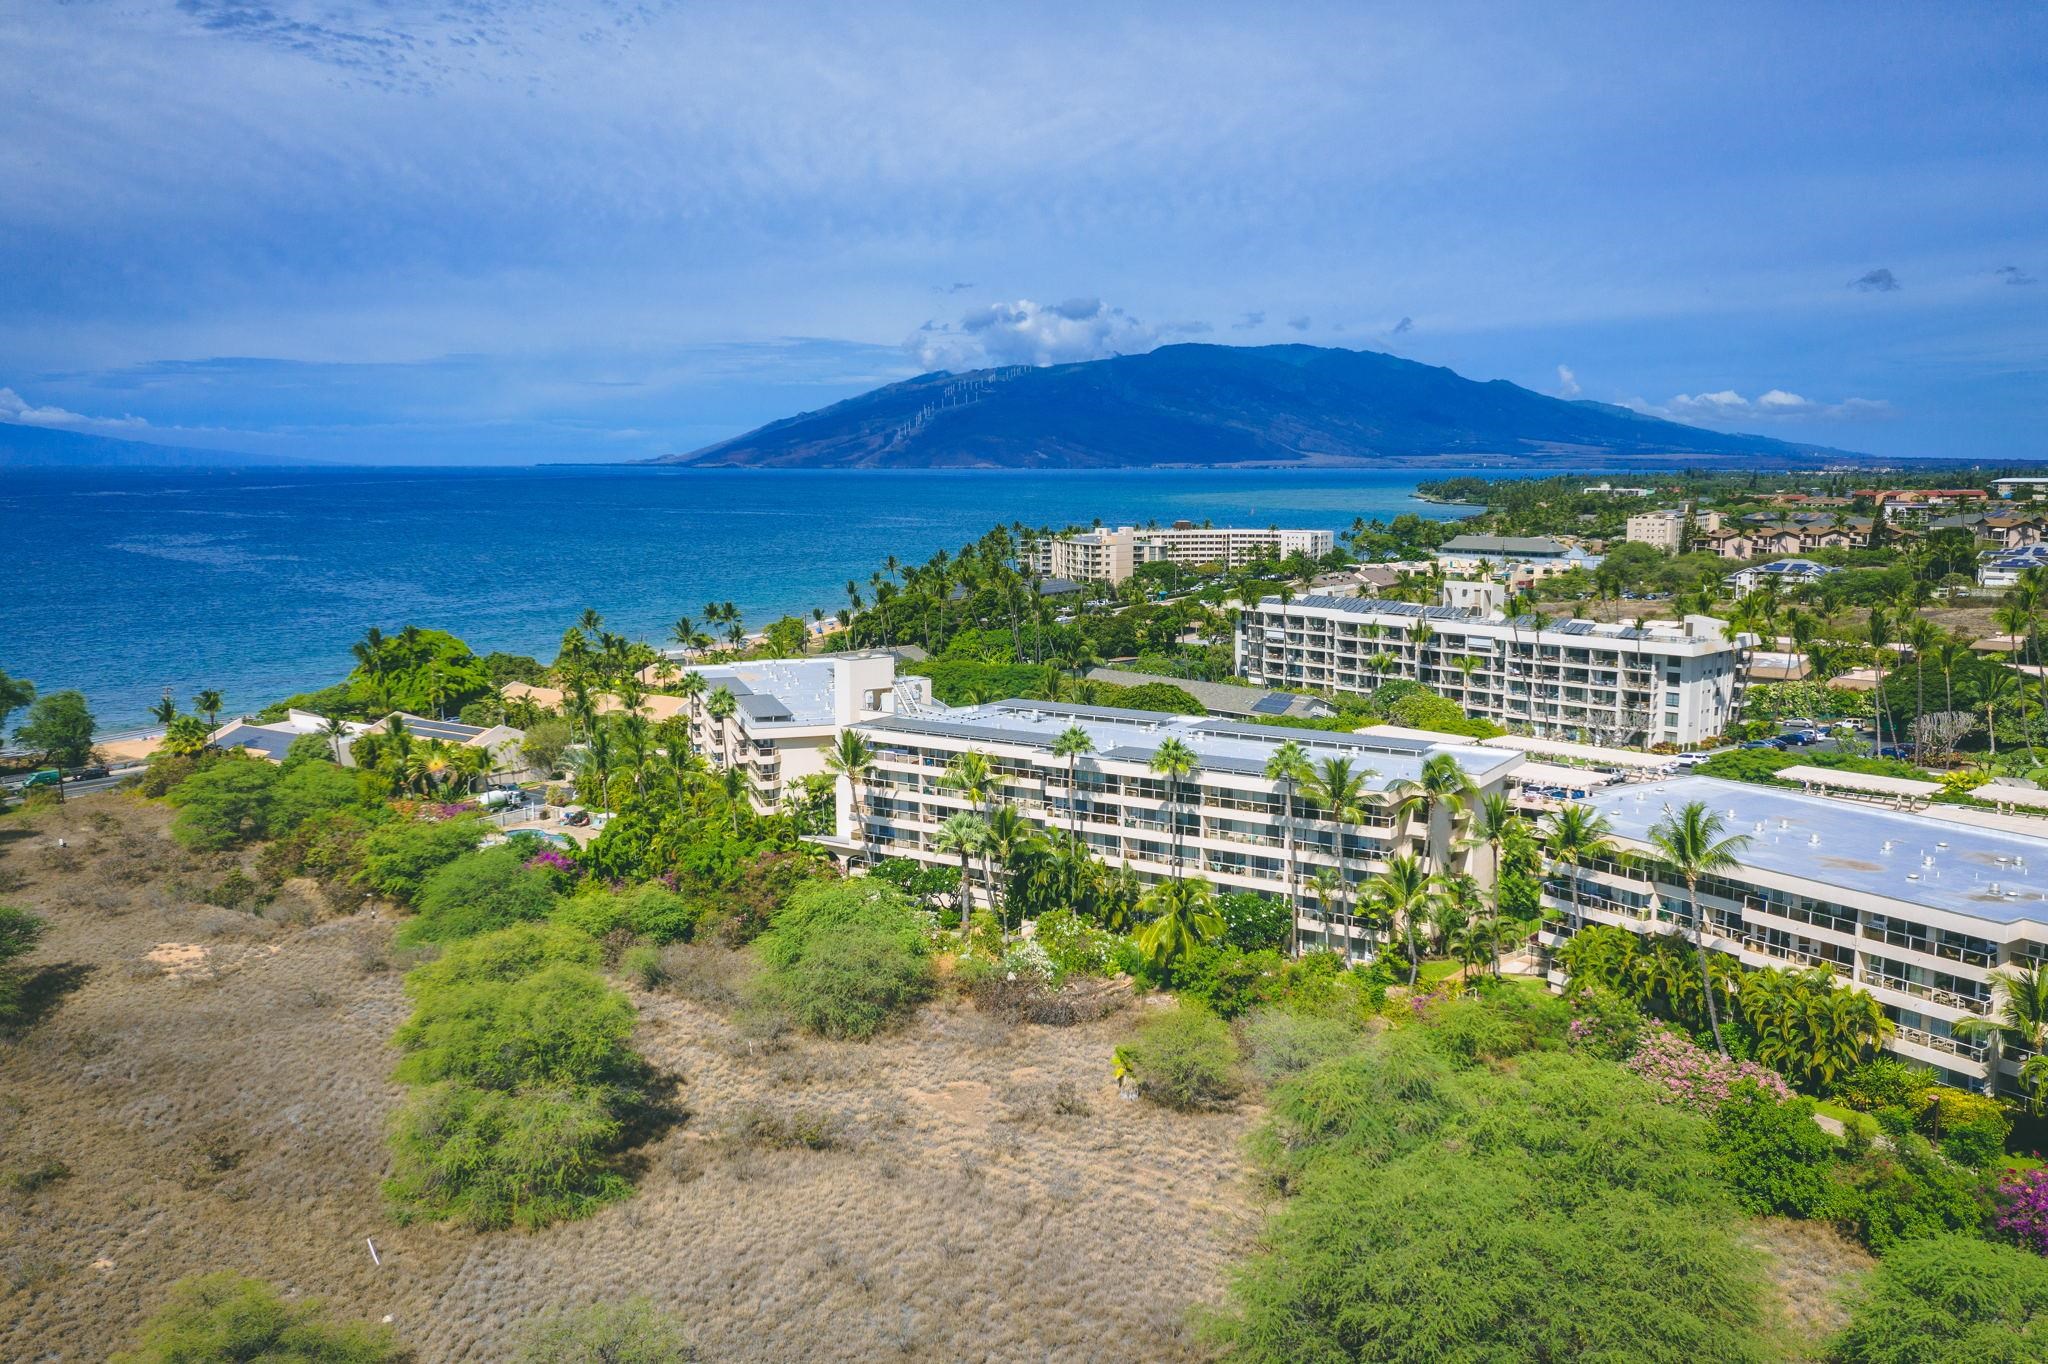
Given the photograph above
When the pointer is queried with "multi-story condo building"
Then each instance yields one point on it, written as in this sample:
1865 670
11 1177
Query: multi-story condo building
1226 819
1667 682
788 712
1919 911
1663 529
1516 558
1112 555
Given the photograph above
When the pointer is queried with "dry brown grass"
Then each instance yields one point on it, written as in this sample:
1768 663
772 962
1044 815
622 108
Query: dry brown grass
1812 1268
982 1192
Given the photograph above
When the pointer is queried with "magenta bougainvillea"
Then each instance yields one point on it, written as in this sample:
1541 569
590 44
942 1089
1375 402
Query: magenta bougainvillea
1693 1076
2023 1209
550 859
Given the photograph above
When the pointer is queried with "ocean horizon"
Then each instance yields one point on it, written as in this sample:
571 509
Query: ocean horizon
257 580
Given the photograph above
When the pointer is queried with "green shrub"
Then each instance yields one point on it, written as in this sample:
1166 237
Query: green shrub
1604 1024
817 907
853 980
1185 1058
399 857
1253 923
308 790
649 910
1972 1127
494 1159
1911 1193
223 1317
642 965
630 1332
560 1026
1500 1024
1548 1210
225 804
1777 1158
1226 980
1949 1300
506 955
1285 1042
1886 1082
479 892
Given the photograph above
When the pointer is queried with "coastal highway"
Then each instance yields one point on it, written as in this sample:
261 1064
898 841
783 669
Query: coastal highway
90 784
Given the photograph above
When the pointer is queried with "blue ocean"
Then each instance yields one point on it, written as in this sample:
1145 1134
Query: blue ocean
126 582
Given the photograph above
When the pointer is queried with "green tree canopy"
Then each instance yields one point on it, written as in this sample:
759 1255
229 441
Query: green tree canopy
224 1317
60 727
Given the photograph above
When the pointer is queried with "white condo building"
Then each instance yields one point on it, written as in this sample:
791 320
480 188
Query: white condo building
788 712
1111 556
1917 909
1229 814
1666 682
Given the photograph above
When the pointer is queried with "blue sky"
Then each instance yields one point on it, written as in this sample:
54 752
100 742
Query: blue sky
474 232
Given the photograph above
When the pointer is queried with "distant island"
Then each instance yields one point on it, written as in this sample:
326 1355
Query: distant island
40 447
1208 406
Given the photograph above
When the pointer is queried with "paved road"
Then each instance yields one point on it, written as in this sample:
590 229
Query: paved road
86 788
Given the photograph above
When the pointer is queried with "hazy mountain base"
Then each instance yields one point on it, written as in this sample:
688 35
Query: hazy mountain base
218 1086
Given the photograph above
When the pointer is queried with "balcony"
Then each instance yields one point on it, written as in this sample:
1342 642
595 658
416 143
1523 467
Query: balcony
1953 1046
1934 992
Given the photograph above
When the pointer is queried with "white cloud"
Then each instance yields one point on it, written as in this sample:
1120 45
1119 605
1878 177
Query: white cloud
1567 382
1027 333
1776 404
14 408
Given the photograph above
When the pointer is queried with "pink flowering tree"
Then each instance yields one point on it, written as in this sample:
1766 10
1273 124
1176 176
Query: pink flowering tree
1694 1077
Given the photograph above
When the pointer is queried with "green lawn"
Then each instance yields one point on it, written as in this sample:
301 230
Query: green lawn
1434 971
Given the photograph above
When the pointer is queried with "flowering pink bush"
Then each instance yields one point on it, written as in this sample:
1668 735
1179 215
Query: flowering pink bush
2023 1209
1693 1076
553 859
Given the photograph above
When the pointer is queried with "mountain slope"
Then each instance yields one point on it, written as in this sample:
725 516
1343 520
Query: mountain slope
40 447
1206 405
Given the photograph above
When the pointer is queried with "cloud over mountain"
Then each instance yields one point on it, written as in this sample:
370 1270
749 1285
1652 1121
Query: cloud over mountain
1028 333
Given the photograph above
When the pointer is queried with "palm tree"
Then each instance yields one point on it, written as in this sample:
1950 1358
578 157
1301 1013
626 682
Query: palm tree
853 758
1010 834
684 632
1326 885
163 712
967 835
1691 844
334 729
1441 785
1073 744
2022 1017
1880 633
1997 685
720 708
1337 787
1577 835
738 790
1494 819
1288 768
208 703
1174 761
1183 918
1405 896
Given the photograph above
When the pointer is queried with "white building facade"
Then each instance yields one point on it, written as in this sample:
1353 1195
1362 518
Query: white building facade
1916 910
1664 529
1227 815
1112 555
1676 683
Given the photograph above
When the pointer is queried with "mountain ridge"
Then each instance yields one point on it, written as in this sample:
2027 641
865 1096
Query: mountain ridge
23 446
1210 406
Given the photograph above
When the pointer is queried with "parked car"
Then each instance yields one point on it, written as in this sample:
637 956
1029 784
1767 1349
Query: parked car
1690 759
86 773
1762 743
1903 752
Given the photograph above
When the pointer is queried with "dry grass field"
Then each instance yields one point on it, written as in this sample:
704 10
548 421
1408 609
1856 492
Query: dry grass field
216 1084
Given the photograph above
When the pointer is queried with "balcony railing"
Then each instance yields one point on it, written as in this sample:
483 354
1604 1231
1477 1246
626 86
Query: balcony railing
1954 1046
1933 992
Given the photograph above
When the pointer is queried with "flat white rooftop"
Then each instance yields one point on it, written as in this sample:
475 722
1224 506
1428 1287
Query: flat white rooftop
1218 745
1905 857
778 691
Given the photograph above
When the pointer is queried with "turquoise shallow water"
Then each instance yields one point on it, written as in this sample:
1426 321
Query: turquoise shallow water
257 581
